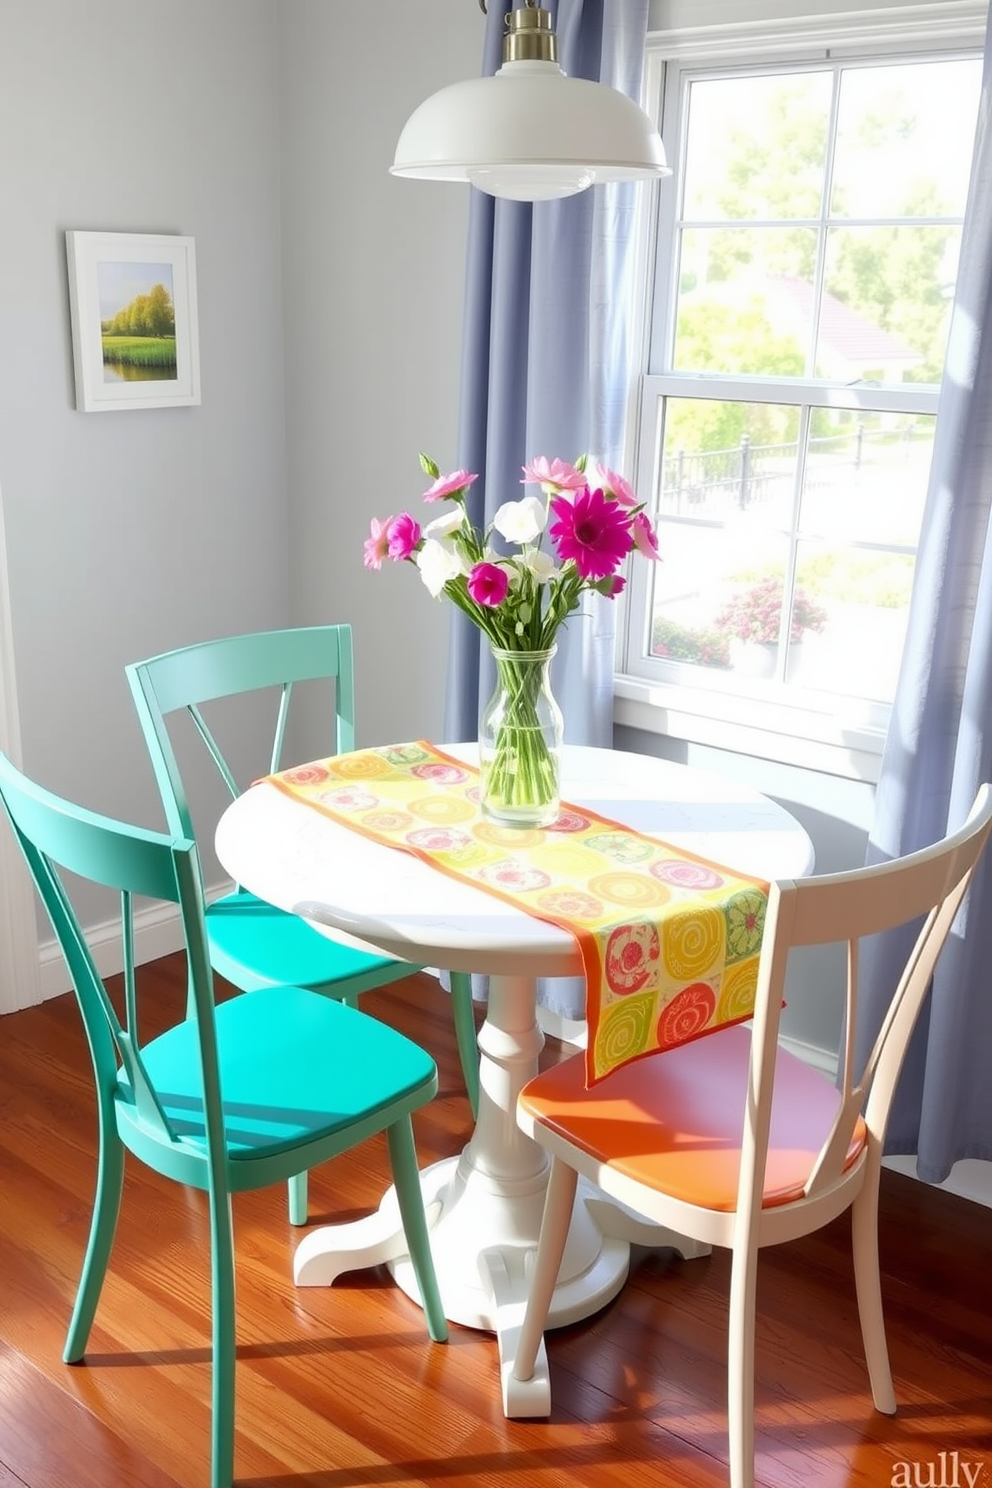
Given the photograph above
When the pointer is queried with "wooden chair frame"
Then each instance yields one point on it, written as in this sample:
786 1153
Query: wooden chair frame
841 1171
345 1076
185 680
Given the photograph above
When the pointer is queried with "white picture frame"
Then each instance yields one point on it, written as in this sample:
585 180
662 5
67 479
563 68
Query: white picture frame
141 278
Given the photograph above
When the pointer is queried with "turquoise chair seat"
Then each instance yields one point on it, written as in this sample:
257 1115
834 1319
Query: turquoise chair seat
279 1053
253 944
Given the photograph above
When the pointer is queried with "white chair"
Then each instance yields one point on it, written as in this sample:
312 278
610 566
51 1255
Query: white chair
732 1141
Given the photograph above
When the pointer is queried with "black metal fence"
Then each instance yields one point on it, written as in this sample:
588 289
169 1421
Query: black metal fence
712 483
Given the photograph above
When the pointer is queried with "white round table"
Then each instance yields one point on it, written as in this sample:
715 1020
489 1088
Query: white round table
485 1205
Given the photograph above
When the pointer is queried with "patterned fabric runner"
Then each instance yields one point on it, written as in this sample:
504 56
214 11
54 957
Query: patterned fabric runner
669 942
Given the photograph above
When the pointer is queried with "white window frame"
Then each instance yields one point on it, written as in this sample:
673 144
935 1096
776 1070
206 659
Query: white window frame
818 731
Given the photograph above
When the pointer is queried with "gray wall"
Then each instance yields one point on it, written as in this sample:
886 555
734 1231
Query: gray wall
329 307
372 293
130 532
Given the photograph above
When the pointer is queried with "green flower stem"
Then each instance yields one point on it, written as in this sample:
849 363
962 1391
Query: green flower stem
520 767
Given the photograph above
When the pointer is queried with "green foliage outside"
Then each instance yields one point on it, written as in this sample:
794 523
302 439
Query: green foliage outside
882 580
705 647
711 336
772 170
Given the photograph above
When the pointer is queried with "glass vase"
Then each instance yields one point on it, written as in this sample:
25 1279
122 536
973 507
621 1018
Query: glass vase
520 737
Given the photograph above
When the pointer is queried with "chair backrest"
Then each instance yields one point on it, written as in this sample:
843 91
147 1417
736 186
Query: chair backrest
844 908
211 670
57 838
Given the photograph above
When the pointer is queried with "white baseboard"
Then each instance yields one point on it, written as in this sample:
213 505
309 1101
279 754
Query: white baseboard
971 1178
824 1060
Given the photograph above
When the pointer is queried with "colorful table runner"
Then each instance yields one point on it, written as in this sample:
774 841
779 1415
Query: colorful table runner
669 941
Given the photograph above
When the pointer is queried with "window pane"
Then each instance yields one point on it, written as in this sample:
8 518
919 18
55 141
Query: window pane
744 302
866 476
863 597
904 140
724 511
756 147
887 306
693 617
722 459
812 259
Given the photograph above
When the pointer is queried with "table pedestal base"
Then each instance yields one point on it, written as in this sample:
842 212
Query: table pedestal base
485 1285
484 1209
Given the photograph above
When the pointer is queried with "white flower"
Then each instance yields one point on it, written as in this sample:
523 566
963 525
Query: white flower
539 563
438 562
521 521
445 525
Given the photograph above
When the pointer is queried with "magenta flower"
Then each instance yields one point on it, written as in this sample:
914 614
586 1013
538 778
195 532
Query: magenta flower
449 485
592 531
570 536
377 545
553 475
614 485
404 536
487 584
645 537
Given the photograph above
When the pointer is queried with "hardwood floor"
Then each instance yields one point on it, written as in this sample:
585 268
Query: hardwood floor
340 1387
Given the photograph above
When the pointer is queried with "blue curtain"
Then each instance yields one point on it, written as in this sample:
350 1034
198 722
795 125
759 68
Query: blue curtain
939 746
545 371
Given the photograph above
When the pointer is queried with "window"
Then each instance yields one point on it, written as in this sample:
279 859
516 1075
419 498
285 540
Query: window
804 263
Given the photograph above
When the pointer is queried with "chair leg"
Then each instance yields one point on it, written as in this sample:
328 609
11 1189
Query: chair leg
740 1365
864 1236
223 1330
297 1186
103 1226
550 1249
406 1176
465 1033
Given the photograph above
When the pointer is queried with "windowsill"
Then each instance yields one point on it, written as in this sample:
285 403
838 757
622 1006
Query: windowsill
810 737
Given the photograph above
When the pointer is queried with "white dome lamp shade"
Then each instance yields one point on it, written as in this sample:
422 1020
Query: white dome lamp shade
530 133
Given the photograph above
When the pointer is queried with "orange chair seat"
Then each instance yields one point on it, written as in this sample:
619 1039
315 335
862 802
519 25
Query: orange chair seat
673 1121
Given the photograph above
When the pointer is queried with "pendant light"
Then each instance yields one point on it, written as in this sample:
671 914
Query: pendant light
529 133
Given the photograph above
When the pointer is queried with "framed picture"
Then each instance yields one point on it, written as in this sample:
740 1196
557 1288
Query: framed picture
132 301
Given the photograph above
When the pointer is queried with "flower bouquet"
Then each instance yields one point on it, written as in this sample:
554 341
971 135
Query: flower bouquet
519 592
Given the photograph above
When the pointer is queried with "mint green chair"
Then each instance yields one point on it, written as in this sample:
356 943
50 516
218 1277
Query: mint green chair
253 944
236 1096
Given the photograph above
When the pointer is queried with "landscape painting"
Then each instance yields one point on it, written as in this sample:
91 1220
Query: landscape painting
137 322
132 301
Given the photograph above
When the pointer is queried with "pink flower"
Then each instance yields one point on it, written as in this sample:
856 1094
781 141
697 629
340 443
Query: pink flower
613 586
449 485
404 535
487 584
614 485
553 475
645 537
377 546
592 531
